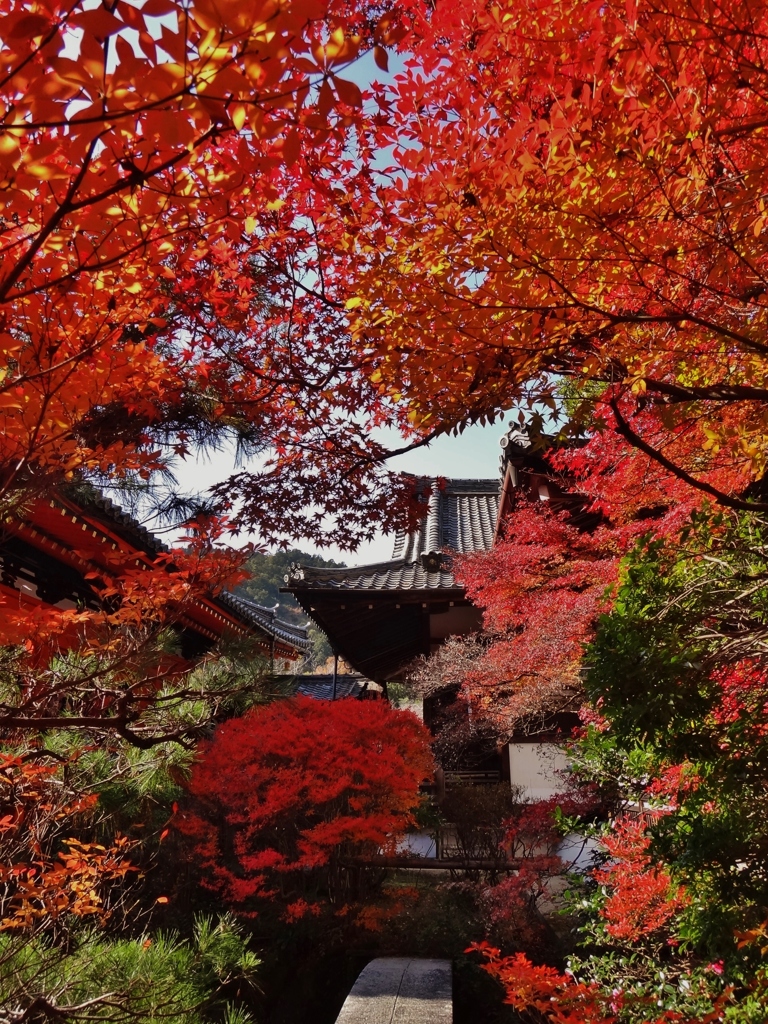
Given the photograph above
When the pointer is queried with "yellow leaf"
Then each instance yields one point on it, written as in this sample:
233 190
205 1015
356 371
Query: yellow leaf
42 171
238 116
336 43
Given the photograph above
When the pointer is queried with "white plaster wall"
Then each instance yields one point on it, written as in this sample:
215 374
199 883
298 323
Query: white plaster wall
578 853
534 767
417 844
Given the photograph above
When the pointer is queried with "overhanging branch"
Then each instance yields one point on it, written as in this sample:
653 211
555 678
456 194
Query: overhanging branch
720 497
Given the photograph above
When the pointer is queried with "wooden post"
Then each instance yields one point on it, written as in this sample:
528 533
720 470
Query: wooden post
335 672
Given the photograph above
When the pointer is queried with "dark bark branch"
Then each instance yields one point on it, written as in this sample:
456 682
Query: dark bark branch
134 179
720 497
414 446
113 724
707 393
66 206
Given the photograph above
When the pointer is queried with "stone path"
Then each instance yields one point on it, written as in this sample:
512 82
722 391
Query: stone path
396 990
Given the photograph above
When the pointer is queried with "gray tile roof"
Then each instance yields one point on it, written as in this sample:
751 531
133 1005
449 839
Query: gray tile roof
266 618
93 501
461 517
394 575
321 686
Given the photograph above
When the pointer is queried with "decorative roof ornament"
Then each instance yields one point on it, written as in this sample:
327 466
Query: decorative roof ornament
515 437
432 561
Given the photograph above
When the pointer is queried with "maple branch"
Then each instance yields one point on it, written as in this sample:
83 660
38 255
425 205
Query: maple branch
86 267
135 178
539 264
375 460
54 220
741 129
414 446
634 439
321 296
37 50
712 392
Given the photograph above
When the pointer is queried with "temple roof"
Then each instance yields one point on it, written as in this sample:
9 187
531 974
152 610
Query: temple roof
92 500
393 575
460 517
58 540
267 619
251 614
382 616
323 687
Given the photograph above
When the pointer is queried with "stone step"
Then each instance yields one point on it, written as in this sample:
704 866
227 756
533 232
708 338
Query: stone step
399 990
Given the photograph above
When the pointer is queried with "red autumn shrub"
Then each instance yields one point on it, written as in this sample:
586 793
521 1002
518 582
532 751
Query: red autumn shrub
642 896
288 798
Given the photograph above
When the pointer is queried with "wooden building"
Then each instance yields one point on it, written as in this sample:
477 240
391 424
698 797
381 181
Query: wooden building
49 549
379 617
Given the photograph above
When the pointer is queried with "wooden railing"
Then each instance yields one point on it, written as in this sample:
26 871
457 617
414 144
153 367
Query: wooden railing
470 778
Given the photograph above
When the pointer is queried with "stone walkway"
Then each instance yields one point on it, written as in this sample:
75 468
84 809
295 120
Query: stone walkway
396 990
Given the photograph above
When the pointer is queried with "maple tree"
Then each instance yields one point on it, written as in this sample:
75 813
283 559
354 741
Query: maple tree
81 825
552 574
520 909
200 240
541 590
576 189
633 963
195 196
285 797
147 150
560 998
45 875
